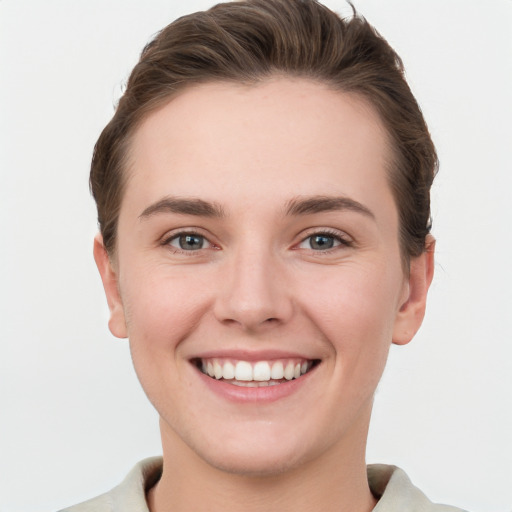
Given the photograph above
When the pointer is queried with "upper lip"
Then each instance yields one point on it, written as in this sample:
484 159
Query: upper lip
251 355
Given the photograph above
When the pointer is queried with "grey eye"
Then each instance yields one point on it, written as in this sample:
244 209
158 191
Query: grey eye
188 242
322 242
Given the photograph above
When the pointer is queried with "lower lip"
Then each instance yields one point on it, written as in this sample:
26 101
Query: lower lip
243 394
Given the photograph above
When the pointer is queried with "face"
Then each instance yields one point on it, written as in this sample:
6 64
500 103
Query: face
258 272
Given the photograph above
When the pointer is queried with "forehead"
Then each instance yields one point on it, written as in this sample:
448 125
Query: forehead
295 136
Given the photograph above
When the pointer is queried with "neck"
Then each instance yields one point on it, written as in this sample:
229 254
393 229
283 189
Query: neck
334 481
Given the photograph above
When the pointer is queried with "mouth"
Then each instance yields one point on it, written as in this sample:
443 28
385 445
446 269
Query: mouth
257 373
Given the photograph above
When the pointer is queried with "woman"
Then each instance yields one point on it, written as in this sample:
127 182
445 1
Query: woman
263 201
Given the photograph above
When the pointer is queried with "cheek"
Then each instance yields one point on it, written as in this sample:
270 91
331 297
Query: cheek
160 308
161 312
355 309
353 301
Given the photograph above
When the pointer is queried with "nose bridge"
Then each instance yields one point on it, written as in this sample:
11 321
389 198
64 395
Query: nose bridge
253 293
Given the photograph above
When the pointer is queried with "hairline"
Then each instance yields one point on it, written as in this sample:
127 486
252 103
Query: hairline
392 160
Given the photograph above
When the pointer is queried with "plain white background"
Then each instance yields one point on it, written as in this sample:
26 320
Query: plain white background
73 419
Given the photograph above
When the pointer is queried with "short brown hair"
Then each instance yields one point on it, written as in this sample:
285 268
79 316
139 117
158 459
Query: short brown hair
249 41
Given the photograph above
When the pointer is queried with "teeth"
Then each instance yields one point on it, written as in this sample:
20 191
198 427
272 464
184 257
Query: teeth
245 384
254 384
217 370
261 373
277 371
289 371
228 371
243 371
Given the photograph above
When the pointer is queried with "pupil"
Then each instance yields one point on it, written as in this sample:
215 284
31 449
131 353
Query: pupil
322 242
190 242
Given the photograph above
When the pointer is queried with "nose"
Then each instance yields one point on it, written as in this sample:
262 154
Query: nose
254 292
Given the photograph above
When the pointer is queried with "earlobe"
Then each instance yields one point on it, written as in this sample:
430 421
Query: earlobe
410 315
117 323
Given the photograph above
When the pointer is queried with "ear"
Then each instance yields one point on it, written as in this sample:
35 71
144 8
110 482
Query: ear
411 312
116 323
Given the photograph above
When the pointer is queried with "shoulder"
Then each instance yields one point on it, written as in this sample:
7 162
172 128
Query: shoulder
396 493
129 495
101 503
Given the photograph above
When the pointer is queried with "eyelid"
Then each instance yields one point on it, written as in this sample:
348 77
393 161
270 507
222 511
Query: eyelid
169 236
342 237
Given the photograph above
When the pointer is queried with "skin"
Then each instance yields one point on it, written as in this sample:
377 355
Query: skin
257 285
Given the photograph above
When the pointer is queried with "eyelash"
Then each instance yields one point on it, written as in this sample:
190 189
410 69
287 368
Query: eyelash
343 241
176 236
339 239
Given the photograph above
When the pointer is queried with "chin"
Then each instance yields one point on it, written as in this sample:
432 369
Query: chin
258 463
256 453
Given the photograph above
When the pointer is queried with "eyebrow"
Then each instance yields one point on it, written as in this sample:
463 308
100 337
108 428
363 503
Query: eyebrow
183 206
318 204
298 206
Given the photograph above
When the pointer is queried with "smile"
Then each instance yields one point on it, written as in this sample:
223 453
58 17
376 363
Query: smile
255 374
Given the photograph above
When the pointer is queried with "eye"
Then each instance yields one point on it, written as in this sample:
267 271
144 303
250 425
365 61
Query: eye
188 242
323 242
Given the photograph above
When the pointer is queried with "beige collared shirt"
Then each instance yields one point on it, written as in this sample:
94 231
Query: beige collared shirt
388 483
